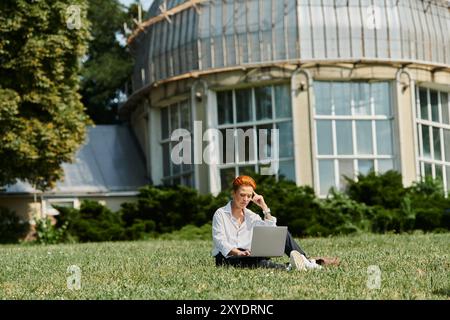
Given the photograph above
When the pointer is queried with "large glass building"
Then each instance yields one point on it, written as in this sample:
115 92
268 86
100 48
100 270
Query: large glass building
351 85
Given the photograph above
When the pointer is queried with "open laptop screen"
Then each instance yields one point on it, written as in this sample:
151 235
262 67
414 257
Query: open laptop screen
268 241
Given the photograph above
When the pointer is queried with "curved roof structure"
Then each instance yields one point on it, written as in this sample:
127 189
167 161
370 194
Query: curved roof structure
155 10
109 161
204 35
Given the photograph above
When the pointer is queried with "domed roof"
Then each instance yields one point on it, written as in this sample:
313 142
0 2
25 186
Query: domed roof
221 34
155 7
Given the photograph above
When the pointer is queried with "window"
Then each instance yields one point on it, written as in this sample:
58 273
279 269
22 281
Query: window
433 134
354 131
246 118
173 117
50 205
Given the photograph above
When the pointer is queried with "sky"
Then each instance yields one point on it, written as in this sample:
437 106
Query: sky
145 3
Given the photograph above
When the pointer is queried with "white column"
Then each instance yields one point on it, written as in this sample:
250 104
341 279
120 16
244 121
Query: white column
214 174
156 159
199 105
303 127
407 133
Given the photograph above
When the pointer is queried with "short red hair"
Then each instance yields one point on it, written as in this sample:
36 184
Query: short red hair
243 181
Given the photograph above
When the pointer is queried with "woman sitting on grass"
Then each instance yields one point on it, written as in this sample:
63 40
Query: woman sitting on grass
232 231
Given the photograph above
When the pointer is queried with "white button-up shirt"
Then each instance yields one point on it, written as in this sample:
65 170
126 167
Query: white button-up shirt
227 234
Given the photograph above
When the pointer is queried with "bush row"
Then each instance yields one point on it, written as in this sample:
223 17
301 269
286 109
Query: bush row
373 203
158 210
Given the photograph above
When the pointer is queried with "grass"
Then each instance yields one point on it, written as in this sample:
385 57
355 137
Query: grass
412 267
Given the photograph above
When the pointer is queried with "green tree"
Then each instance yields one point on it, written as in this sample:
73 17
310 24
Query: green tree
109 64
42 119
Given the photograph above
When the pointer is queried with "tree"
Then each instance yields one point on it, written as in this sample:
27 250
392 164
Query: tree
42 120
109 64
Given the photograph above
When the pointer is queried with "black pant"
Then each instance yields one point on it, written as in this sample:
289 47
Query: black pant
262 262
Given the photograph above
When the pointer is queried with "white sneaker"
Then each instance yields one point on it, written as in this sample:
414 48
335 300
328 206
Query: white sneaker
311 264
297 260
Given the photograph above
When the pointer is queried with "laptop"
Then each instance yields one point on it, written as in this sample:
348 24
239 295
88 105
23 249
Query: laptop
268 241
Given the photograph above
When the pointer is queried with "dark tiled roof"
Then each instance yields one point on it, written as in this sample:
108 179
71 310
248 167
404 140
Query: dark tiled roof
109 161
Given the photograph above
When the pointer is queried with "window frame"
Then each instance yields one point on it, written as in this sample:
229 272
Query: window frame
353 117
47 205
421 160
184 176
254 124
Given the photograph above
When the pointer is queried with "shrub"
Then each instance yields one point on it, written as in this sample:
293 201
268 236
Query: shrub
93 222
428 187
408 214
432 209
377 203
384 220
140 230
397 220
12 228
421 206
170 209
384 190
428 219
338 214
445 222
190 232
48 233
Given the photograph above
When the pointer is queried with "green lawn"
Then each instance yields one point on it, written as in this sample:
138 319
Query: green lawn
412 267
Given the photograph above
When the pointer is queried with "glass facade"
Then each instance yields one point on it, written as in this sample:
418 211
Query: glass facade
354 131
173 117
353 127
246 119
433 134
238 32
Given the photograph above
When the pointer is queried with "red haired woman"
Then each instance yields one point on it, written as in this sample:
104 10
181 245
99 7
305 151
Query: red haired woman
232 231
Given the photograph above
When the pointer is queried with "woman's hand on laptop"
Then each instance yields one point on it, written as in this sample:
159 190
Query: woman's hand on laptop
245 253
259 200
239 253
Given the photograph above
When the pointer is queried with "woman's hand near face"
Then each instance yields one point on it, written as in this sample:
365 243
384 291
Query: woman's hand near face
259 200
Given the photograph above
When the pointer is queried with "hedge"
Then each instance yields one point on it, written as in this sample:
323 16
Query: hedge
374 203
